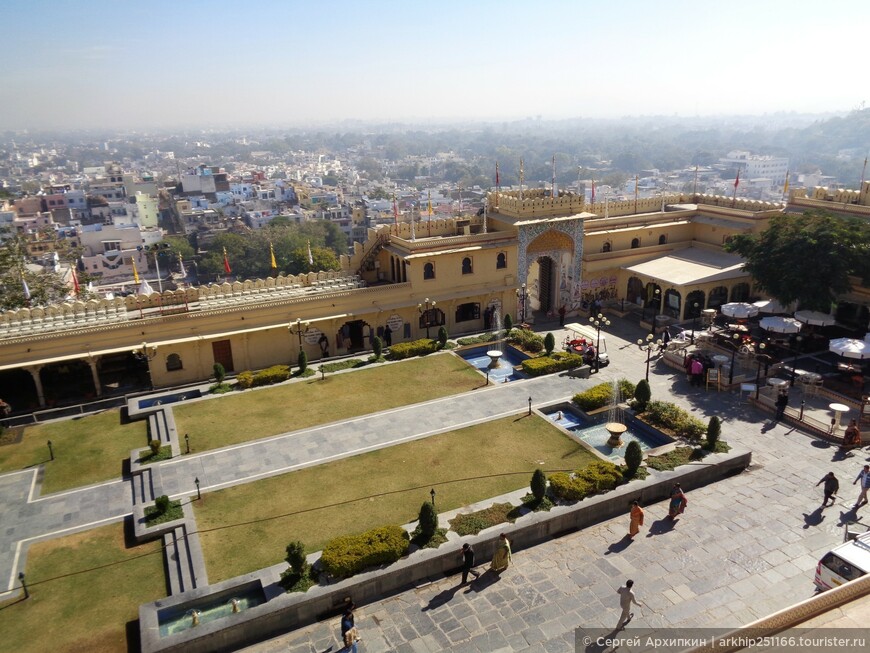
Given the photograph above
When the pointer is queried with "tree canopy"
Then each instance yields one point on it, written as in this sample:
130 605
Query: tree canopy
807 258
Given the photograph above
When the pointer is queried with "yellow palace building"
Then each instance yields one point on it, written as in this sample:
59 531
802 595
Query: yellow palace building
528 255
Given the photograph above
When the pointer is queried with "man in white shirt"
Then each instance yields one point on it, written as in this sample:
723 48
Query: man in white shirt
626 598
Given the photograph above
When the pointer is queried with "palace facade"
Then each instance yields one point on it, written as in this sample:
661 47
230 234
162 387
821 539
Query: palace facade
529 254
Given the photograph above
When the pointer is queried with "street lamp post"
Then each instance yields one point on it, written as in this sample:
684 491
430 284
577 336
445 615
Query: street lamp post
425 310
694 320
657 293
432 494
198 493
735 345
50 450
521 296
187 443
764 359
797 345
23 584
598 322
648 345
301 327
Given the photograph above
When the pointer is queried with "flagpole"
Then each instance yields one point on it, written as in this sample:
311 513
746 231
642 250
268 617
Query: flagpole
497 186
695 186
413 230
785 187
521 180
484 214
736 184
429 196
553 191
635 193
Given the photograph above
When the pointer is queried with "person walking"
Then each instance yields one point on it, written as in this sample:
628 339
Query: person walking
502 557
562 315
626 598
349 634
781 404
697 372
636 519
831 487
468 563
678 502
864 477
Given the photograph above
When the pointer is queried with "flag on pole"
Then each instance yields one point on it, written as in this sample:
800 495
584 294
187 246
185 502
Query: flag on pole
429 194
75 280
863 171
785 187
272 255
737 179
135 271
521 179
181 265
496 175
227 267
554 192
593 190
25 288
310 257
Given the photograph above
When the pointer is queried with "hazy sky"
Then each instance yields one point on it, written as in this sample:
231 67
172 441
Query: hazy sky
167 63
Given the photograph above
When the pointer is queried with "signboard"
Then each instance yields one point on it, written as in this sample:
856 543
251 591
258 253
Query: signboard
395 322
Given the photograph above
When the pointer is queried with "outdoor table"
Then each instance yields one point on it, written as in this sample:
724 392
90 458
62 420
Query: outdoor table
742 328
838 409
720 359
776 383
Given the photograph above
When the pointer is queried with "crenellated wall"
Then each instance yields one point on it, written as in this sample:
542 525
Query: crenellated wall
535 202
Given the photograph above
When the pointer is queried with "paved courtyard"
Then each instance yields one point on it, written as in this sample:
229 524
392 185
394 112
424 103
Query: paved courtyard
746 546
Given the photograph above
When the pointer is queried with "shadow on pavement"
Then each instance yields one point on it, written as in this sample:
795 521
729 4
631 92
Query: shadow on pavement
814 518
620 545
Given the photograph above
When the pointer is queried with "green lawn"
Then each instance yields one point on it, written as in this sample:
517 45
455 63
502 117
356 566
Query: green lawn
82 612
374 489
252 415
87 450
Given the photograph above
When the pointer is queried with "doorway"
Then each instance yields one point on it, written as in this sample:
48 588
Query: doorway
545 284
222 351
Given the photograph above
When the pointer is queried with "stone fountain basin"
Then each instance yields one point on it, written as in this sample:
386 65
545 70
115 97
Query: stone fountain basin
615 428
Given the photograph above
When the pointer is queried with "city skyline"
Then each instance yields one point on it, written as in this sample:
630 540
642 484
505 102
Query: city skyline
164 65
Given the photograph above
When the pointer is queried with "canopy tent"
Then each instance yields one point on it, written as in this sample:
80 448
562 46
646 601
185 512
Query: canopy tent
780 324
739 310
850 348
815 318
772 307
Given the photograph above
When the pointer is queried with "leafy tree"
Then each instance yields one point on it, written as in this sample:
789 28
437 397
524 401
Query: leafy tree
219 373
549 343
806 258
296 557
539 484
377 347
714 429
302 361
633 457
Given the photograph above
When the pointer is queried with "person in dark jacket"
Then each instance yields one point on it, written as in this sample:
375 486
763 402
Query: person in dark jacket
831 487
468 563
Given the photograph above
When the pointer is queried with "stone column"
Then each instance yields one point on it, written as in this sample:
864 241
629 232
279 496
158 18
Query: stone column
92 362
40 393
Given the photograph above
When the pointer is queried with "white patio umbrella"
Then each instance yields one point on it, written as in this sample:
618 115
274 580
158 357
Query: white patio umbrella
850 348
816 318
779 324
739 310
772 306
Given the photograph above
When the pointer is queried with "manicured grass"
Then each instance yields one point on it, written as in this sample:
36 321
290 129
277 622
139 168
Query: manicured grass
87 611
86 450
261 413
375 489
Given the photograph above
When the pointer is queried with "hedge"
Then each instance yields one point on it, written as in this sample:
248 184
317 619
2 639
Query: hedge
415 348
601 395
526 339
274 374
558 362
674 418
350 554
599 476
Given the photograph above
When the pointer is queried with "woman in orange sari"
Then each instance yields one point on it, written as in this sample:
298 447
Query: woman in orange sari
636 519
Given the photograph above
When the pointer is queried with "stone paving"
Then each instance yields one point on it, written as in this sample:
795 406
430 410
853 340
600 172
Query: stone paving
747 545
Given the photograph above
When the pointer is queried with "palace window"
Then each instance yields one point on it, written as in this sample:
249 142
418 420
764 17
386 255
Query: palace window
466 265
173 362
501 261
429 271
466 312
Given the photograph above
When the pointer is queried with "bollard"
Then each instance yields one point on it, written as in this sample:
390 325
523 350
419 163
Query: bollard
530 405
50 450
801 416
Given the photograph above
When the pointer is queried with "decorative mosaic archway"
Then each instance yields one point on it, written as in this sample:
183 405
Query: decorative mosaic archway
552 238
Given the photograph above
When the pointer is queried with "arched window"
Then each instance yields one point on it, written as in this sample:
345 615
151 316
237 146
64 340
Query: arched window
606 247
635 243
429 271
663 240
501 261
173 362
466 265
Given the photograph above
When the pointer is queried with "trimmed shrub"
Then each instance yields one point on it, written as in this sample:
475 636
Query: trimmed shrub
410 349
539 484
302 361
714 429
599 476
633 457
642 395
428 519
549 343
558 362
245 380
601 395
350 554
672 417
154 445
508 322
296 557
219 373
442 337
377 348
526 339
162 504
